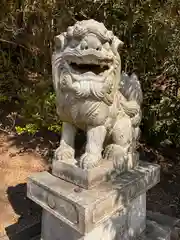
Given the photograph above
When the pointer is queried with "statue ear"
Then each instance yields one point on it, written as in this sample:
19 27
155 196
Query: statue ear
116 44
60 41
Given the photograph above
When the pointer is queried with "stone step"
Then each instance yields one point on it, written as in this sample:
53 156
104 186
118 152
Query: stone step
165 220
155 231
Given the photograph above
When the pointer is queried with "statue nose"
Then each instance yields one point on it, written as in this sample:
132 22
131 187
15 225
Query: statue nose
91 42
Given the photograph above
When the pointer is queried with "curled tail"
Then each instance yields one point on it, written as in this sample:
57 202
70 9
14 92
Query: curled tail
130 88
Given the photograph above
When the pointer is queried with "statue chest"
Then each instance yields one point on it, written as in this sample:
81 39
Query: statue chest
85 111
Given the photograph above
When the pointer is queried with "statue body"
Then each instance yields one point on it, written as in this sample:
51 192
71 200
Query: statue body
93 95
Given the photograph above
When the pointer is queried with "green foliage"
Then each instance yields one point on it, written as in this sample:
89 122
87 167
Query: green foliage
30 128
150 30
39 108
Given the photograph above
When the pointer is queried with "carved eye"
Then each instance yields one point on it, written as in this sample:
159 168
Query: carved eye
99 48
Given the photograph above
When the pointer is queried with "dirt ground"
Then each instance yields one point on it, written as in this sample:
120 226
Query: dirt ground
20 157
15 167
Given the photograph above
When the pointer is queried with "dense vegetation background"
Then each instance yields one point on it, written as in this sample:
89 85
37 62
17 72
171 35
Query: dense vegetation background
150 30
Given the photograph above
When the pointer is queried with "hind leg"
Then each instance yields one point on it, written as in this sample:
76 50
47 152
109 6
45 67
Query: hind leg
120 151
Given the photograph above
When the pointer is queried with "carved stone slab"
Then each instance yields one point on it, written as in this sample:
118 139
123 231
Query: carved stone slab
84 209
88 178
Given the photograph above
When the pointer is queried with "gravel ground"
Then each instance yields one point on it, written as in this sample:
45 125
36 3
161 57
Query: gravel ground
15 167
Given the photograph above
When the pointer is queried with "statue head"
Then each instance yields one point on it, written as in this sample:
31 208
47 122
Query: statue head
86 52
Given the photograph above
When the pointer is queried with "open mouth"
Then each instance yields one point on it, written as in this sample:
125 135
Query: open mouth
83 68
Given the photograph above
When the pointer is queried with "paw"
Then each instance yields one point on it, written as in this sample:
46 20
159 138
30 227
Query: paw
120 164
64 153
89 160
116 154
112 151
133 159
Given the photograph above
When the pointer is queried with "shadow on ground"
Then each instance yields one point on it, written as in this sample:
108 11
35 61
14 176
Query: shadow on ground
164 197
28 224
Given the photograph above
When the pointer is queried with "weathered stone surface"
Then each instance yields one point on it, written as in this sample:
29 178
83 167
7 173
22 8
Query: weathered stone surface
92 95
119 226
87 178
167 221
55 229
137 216
155 231
83 210
131 221
126 224
162 220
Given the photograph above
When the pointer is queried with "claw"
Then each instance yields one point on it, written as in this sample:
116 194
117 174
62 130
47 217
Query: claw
88 161
116 154
64 153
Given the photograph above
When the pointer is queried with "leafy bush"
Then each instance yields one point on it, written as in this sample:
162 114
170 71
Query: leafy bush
150 30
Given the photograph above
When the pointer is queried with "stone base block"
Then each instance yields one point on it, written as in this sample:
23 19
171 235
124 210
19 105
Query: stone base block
155 231
84 210
167 221
88 178
126 224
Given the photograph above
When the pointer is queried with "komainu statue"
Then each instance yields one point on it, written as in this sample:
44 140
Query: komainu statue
93 95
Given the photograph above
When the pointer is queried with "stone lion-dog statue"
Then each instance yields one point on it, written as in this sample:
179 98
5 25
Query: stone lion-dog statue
93 95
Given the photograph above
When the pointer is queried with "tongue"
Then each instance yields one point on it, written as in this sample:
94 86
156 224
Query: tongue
89 73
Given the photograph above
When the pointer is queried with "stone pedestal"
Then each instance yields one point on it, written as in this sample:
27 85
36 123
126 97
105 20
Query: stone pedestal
114 208
125 224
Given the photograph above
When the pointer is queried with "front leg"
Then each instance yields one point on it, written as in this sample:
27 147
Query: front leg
94 147
65 151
